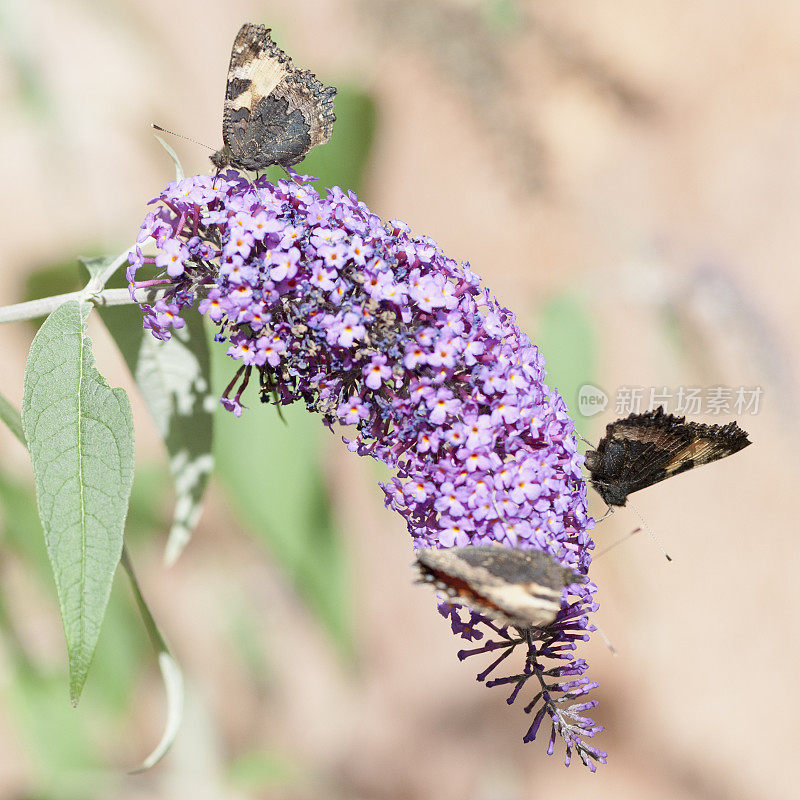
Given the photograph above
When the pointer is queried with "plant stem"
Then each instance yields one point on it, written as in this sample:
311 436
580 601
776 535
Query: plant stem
153 633
107 297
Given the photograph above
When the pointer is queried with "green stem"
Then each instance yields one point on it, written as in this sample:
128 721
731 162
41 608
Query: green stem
170 672
107 297
153 632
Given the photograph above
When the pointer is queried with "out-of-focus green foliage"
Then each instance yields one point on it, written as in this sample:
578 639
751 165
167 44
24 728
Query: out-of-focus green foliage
64 744
263 771
566 338
245 633
32 91
502 16
179 173
272 471
49 279
343 160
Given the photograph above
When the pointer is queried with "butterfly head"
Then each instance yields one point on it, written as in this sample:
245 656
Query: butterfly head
222 157
612 495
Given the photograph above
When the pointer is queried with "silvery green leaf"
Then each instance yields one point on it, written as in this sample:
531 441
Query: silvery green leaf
95 264
80 436
173 685
101 269
173 377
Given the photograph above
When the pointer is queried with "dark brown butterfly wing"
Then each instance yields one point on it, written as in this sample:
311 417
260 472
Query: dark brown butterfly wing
643 449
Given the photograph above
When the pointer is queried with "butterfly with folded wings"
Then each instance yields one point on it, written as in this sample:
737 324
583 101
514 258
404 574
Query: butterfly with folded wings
510 585
274 113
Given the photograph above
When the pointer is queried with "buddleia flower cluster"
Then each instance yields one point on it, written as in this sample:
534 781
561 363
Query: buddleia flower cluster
401 348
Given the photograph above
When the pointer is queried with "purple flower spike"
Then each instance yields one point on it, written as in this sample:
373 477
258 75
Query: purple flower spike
377 329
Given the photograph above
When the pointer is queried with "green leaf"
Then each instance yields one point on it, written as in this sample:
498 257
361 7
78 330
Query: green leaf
80 436
11 417
566 339
271 471
170 673
63 750
179 174
118 658
174 378
102 269
94 265
20 526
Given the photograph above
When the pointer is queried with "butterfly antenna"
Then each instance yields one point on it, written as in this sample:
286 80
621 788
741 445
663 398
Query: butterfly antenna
618 542
650 532
179 135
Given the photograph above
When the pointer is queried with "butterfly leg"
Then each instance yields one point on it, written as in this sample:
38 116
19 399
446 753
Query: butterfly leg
609 512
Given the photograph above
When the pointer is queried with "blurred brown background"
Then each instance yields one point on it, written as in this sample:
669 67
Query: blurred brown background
626 176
